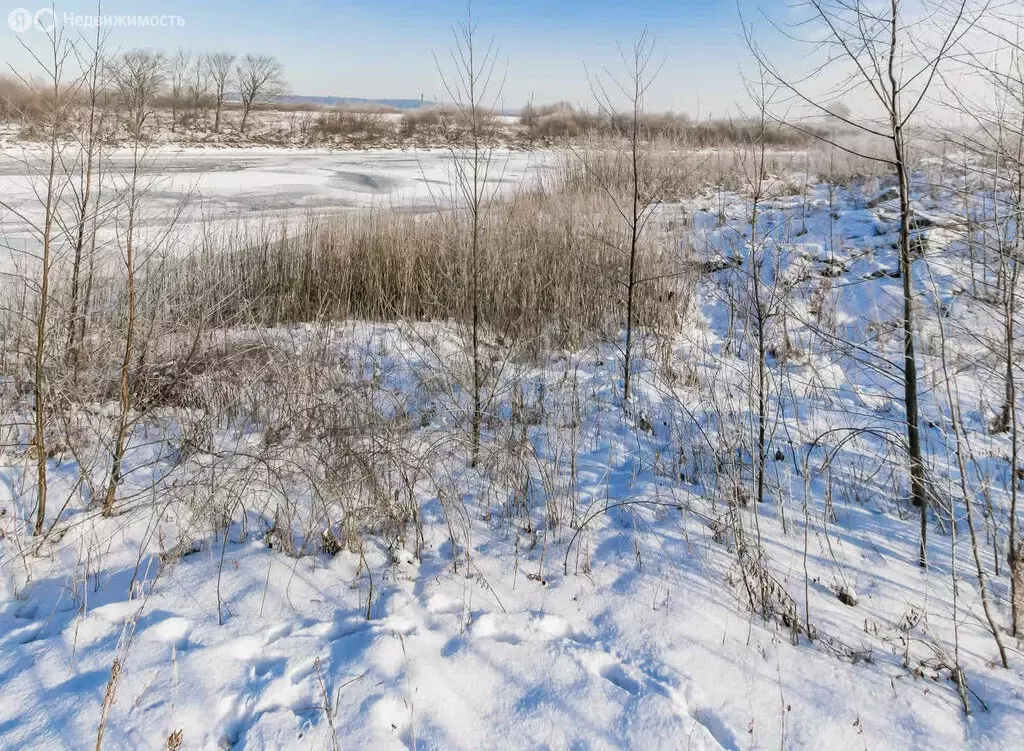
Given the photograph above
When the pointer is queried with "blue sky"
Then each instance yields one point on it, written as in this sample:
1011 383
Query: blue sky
385 48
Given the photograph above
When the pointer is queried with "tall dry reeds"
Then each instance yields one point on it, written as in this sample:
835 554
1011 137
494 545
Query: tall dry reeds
550 270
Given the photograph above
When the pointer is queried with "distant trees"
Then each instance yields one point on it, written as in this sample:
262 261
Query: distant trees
218 70
139 77
192 86
197 87
177 75
259 77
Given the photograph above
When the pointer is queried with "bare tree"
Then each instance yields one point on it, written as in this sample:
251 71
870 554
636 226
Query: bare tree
56 91
177 78
473 89
756 296
892 59
85 190
993 152
197 86
961 448
138 77
762 277
218 70
1009 240
640 70
1008 141
259 78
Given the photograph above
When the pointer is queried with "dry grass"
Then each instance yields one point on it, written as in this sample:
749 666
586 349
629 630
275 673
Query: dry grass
553 264
357 126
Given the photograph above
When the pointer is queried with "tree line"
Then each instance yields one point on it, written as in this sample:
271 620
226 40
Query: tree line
196 88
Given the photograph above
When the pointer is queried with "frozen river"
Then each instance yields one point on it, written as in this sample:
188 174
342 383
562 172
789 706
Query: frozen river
196 190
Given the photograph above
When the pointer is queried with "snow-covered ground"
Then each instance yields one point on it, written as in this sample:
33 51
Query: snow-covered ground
583 585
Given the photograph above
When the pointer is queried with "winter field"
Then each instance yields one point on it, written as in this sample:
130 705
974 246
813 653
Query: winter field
308 540
493 423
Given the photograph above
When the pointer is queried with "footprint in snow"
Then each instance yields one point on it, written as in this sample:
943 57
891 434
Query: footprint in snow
267 669
26 611
613 671
709 730
717 729
616 675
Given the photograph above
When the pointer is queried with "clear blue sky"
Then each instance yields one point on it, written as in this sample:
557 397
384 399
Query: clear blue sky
385 48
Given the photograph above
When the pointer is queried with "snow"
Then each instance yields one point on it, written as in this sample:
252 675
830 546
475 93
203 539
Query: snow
624 625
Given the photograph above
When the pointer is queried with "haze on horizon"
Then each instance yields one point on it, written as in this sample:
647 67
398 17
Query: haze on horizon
387 49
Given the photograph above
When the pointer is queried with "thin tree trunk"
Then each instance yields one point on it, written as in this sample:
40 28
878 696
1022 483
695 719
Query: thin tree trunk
910 397
965 491
1011 267
633 239
475 251
120 438
82 216
39 376
39 390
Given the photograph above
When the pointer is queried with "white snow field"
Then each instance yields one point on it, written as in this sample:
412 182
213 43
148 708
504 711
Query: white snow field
581 587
